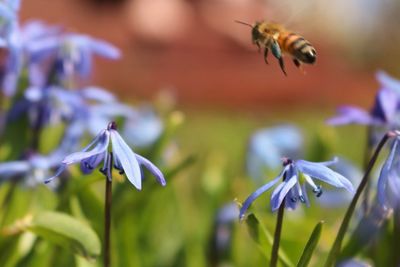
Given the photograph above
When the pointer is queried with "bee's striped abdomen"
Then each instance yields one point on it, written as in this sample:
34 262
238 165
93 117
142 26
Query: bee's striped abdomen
297 46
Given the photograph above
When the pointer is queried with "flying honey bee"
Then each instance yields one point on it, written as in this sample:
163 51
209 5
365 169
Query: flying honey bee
275 37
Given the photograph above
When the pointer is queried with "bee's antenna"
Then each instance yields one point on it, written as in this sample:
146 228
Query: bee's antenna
244 23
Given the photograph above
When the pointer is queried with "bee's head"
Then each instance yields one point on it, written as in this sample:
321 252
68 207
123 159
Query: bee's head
255 32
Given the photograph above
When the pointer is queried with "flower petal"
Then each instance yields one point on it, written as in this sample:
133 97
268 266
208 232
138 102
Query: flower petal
349 115
89 164
104 49
255 195
101 146
127 159
281 194
58 172
323 173
97 94
8 169
152 168
385 106
388 82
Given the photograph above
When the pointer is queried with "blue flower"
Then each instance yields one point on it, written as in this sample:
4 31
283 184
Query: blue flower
389 178
125 160
32 170
76 52
267 145
384 111
293 188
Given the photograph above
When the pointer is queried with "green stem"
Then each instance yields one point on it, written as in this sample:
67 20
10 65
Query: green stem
277 235
107 211
334 252
367 156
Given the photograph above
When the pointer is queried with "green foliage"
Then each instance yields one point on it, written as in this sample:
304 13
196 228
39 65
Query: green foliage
264 239
61 229
310 246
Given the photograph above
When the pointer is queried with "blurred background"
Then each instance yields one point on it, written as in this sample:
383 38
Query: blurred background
194 50
190 54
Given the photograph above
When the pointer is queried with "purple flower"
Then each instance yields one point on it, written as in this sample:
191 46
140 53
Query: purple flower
125 160
293 188
389 178
384 111
32 170
76 52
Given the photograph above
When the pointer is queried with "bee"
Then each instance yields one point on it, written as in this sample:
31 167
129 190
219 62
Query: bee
275 37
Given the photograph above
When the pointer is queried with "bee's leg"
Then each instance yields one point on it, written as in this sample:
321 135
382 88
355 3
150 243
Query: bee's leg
266 55
259 47
298 65
276 51
282 64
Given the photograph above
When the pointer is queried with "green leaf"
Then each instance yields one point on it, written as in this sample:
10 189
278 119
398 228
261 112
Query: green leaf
310 246
264 239
66 231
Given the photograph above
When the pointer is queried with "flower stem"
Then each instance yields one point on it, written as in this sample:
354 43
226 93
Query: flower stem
277 235
107 211
334 252
367 156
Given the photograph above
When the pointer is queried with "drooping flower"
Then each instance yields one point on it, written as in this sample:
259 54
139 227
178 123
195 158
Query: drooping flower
292 189
267 145
125 160
384 111
32 170
76 52
389 178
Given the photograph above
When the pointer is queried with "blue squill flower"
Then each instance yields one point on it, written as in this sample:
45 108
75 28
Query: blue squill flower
389 178
32 170
267 145
76 52
125 160
382 113
295 175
